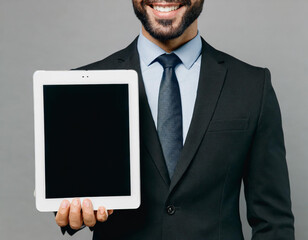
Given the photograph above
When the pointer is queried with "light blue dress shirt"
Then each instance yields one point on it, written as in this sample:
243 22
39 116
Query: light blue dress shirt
187 74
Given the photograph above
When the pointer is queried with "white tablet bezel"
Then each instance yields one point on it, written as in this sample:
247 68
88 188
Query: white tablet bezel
129 77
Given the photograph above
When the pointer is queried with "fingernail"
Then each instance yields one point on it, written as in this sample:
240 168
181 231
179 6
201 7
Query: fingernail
64 204
75 202
103 211
86 203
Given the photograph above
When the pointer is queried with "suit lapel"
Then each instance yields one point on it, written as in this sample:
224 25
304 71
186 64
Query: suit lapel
148 133
212 75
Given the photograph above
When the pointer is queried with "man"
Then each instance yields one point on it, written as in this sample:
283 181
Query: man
225 113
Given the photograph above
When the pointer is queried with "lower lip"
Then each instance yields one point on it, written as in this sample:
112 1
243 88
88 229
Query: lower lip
165 15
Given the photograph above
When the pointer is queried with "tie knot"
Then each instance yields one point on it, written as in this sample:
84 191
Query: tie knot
168 60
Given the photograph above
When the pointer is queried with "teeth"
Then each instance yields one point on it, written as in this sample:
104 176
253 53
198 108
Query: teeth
166 9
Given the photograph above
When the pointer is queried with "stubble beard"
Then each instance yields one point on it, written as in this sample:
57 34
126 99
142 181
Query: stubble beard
165 30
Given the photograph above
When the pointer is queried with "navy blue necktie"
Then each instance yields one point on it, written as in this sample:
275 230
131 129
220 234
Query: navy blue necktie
169 118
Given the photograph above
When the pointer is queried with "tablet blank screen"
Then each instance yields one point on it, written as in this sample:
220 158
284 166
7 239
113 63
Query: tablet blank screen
86 140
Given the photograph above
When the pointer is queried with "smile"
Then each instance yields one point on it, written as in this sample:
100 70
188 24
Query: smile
165 9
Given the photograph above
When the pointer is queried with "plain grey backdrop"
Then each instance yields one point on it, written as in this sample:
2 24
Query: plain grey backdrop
59 35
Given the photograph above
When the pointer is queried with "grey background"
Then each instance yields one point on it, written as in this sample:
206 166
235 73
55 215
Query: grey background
55 35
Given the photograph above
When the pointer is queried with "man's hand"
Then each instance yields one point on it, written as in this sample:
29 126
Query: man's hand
71 214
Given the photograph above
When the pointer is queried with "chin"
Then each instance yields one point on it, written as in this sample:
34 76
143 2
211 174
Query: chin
167 26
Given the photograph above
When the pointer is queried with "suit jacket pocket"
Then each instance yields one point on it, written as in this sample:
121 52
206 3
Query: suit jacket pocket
228 125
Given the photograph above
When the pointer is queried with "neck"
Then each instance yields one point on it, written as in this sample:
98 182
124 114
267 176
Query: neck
173 44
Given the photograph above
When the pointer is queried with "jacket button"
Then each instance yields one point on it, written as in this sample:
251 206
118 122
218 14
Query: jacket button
170 209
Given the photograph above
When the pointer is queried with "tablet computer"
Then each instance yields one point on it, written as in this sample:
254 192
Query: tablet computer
87 138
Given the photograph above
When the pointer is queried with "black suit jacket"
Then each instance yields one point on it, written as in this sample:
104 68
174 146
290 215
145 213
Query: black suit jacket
235 135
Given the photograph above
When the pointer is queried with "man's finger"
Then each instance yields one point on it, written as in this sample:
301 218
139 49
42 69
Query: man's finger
62 214
110 212
102 214
88 213
75 218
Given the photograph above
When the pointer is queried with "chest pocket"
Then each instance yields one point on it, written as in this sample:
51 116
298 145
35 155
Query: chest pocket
228 125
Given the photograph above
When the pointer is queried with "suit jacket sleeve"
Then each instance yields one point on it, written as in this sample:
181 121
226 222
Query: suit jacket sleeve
266 181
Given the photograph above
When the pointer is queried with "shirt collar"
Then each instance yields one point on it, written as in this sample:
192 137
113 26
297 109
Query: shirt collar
188 53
